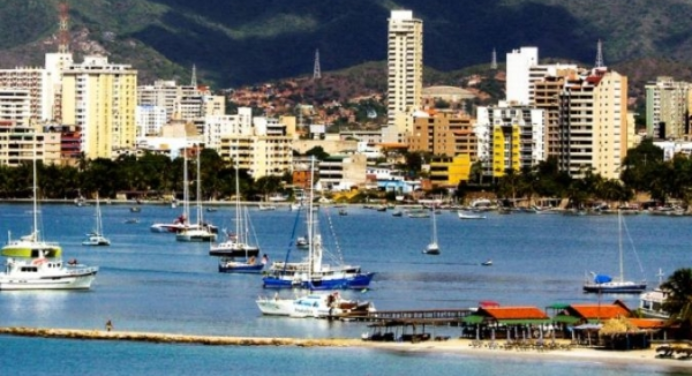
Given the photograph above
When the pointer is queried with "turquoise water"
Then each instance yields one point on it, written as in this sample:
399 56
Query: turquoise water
28 356
150 282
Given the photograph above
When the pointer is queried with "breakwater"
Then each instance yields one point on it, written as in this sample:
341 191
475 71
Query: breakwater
83 334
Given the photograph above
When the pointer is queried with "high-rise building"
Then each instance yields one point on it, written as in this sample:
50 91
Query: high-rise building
593 124
100 98
405 73
510 137
217 126
444 133
15 107
667 107
519 63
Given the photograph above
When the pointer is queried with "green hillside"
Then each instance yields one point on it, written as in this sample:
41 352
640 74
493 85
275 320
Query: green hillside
236 42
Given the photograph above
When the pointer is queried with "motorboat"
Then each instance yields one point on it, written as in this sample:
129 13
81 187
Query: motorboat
96 237
651 304
419 213
467 215
487 263
343 212
314 305
312 273
302 242
34 264
248 265
265 207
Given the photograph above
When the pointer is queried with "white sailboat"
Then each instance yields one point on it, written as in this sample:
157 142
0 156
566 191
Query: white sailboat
34 264
433 248
201 232
602 283
96 237
237 255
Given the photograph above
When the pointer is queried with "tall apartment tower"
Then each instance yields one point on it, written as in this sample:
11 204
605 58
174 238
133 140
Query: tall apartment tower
405 73
593 122
667 107
519 63
101 97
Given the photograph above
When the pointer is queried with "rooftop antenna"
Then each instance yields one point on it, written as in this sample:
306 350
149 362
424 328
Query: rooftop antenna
599 55
193 81
493 63
317 72
63 33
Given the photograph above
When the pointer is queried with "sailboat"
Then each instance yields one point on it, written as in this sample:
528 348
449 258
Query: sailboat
433 248
312 273
96 237
201 232
237 244
602 283
34 264
182 222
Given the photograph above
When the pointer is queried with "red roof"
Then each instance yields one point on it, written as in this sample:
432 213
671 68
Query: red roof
505 313
647 323
602 311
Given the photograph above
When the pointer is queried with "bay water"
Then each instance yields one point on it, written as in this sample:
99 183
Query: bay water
149 282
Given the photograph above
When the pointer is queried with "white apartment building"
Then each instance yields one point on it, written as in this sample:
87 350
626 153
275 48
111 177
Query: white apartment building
510 137
405 74
519 63
167 94
217 126
341 173
15 107
150 120
100 98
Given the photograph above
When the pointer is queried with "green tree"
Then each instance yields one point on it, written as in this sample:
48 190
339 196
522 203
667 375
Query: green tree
317 152
679 300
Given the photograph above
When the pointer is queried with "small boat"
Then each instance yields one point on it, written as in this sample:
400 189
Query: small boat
269 207
382 208
96 237
419 213
343 212
212 210
398 213
316 305
130 221
250 265
651 304
135 209
487 263
302 242
466 215
433 248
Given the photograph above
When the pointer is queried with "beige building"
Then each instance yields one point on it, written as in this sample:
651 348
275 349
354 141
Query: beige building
405 73
21 144
593 123
443 133
342 172
100 97
15 106
267 150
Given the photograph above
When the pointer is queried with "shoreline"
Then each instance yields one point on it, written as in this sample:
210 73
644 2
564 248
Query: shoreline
453 346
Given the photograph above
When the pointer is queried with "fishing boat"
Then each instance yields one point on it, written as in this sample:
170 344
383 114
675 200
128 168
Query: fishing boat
34 264
202 232
602 283
467 215
312 273
302 242
419 213
487 263
651 302
96 237
433 248
317 305
237 254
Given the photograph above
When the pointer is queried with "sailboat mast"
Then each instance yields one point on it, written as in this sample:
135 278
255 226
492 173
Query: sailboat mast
434 227
35 192
622 273
199 189
311 224
186 189
238 215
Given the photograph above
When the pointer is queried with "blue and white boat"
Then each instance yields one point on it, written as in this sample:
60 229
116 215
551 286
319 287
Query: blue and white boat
605 284
312 273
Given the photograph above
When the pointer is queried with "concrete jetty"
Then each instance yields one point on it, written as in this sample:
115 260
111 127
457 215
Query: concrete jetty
84 334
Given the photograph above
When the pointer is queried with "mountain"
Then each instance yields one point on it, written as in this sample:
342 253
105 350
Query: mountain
235 42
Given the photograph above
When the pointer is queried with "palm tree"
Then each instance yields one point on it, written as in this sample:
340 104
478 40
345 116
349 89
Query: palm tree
679 301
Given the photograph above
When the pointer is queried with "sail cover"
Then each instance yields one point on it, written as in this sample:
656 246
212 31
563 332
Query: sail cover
602 278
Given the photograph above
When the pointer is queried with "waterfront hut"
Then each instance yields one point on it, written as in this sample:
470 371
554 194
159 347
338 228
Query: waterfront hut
495 321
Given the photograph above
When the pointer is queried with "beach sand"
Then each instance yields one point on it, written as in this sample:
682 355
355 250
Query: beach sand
452 346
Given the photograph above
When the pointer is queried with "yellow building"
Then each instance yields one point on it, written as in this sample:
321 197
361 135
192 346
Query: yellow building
101 98
448 172
505 150
260 155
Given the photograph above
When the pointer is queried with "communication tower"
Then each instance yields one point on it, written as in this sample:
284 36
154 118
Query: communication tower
317 72
599 55
64 32
493 63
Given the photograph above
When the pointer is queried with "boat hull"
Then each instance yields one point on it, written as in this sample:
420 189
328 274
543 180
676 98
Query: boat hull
77 280
240 267
223 250
357 282
635 288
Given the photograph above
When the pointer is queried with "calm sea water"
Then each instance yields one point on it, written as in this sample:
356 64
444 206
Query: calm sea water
150 282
